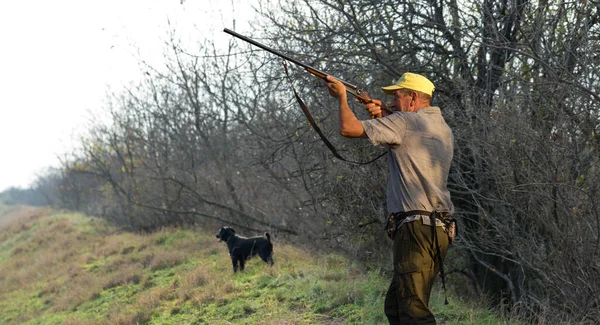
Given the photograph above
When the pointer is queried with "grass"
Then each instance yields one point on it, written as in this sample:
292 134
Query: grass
67 268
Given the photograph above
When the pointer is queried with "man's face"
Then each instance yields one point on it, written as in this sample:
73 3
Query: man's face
402 100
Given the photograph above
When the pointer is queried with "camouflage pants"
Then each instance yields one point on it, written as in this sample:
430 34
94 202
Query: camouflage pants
415 267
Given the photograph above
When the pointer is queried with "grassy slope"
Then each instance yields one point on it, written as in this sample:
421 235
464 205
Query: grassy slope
72 269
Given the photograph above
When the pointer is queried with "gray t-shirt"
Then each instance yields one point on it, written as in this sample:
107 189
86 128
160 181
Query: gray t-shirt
421 149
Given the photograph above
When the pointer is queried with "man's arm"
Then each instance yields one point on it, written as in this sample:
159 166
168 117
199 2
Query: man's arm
350 126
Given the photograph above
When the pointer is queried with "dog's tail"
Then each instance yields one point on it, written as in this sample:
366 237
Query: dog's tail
268 237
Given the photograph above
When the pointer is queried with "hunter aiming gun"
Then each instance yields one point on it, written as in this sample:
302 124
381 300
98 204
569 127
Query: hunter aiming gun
360 94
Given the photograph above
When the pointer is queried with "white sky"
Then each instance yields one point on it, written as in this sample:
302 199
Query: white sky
58 59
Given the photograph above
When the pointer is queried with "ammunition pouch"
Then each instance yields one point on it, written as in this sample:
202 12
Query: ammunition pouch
450 228
391 226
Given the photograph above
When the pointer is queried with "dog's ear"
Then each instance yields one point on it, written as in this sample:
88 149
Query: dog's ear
232 230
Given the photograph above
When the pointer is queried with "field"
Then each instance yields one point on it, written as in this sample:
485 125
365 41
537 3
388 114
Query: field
59 267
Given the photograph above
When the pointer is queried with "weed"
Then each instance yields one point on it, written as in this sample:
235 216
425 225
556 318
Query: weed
163 259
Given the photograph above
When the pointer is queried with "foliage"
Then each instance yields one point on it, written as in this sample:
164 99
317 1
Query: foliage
16 196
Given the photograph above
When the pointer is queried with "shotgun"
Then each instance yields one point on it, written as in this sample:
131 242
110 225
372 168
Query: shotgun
360 94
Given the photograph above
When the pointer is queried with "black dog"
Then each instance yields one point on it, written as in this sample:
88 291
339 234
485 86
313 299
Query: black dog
241 248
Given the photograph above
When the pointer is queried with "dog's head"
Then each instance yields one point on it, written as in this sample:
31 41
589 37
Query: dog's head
225 233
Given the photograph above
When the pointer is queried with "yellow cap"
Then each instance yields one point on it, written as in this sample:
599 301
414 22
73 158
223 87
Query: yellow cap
411 81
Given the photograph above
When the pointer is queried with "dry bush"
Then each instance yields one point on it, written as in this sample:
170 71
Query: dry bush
42 238
53 287
118 316
215 290
20 272
111 245
81 288
284 322
163 259
190 245
190 281
125 274
77 320
151 298
117 262
59 226
54 258
198 277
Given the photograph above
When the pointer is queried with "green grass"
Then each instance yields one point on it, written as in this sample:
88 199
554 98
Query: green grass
66 268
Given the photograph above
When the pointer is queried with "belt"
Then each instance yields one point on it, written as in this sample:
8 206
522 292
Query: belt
400 217
404 214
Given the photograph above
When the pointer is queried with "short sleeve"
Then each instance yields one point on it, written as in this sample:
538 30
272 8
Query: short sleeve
386 130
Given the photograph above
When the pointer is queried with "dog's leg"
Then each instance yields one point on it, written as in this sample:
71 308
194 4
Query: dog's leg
241 265
235 265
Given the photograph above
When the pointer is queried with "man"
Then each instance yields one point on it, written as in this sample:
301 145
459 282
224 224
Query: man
420 145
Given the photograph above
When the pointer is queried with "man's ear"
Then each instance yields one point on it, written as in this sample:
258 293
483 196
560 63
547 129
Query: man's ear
414 97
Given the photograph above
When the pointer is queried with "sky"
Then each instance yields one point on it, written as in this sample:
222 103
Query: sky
60 58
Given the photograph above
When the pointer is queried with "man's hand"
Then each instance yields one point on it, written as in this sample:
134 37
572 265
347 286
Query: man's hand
377 108
336 88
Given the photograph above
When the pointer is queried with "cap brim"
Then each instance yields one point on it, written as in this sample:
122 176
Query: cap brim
390 90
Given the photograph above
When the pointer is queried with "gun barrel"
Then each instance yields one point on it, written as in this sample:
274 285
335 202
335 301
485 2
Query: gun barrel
268 49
